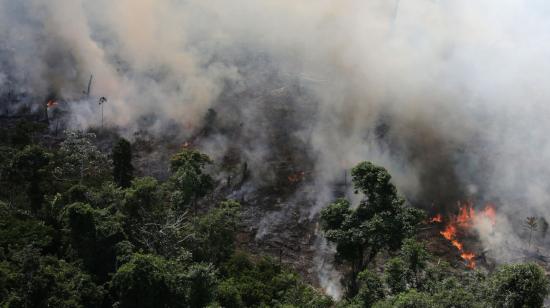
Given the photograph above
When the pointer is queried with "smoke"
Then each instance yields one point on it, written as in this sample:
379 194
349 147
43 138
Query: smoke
449 96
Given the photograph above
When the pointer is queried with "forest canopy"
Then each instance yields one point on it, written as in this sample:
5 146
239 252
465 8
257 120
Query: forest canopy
79 229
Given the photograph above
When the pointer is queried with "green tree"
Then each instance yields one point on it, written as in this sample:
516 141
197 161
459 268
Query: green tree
395 275
94 234
18 231
265 283
212 237
382 220
6 172
79 159
145 282
31 280
371 288
30 168
416 257
409 299
152 281
519 285
23 133
122 163
142 198
189 178
457 297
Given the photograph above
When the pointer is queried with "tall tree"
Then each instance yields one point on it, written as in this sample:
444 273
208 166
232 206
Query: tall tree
122 163
213 235
80 160
415 256
189 178
29 167
381 220
531 225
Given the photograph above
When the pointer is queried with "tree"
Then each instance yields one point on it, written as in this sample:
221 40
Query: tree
122 163
371 288
24 131
519 285
395 274
457 297
152 281
188 177
213 235
94 234
543 227
142 204
264 283
18 231
32 280
531 225
145 282
79 159
412 299
381 220
29 167
415 256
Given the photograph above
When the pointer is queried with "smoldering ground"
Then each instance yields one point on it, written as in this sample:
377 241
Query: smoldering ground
449 96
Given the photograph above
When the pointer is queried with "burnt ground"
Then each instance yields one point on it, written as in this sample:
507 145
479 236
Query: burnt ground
273 210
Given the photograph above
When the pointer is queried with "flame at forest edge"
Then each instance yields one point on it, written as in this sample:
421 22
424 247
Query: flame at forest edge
461 224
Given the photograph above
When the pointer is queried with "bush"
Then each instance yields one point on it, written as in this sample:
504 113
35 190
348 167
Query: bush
519 285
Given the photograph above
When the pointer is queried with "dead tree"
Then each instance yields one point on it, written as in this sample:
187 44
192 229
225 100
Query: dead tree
531 225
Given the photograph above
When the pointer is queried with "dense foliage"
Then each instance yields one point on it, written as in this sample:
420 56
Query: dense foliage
77 229
411 277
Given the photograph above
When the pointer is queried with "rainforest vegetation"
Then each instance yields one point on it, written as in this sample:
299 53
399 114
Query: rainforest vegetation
79 229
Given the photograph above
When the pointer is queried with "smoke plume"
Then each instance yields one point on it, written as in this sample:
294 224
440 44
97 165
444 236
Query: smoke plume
450 96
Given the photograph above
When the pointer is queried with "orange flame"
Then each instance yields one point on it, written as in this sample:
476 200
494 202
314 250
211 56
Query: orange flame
51 104
465 219
470 259
436 219
490 213
450 232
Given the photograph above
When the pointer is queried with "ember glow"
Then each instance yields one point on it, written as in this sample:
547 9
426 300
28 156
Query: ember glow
51 104
437 218
461 224
297 177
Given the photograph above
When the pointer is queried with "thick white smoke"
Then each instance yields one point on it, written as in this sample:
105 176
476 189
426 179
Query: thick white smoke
451 96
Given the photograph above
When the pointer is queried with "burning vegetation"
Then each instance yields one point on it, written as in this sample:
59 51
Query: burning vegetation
252 209
459 226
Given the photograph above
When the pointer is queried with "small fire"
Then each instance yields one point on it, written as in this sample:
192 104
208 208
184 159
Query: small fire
490 213
470 259
449 232
462 222
51 103
437 218
187 145
297 177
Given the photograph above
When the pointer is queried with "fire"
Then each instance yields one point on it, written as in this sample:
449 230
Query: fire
297 177
462 222
470 259
457 244
490 213
449 233
51 104
437 218
187 145
466 216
